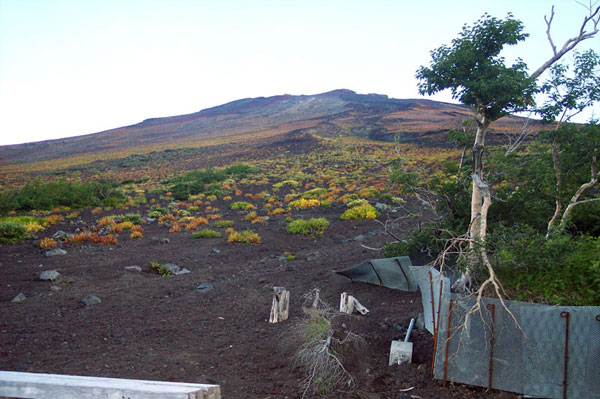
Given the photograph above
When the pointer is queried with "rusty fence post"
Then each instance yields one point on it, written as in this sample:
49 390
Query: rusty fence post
448 341
567 317
492 308
436 331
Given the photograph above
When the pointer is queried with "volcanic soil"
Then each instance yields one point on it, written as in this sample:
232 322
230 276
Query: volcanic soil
164 328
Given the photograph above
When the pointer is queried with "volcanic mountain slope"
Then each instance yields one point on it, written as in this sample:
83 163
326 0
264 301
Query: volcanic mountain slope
335 113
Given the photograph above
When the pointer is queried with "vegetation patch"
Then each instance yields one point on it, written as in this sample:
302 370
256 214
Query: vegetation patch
360 212
314 226
12 232
207 233
245 237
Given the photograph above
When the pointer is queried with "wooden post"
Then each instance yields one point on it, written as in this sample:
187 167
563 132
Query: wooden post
281 305
348 304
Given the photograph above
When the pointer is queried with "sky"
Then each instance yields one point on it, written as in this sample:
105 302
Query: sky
73 67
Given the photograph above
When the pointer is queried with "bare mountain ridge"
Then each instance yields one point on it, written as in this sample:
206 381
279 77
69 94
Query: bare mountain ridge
335 113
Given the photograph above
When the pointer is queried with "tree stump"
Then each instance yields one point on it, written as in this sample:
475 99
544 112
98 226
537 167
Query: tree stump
348 304
281 305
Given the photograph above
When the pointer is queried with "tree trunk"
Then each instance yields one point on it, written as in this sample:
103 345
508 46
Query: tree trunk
558 200
480 196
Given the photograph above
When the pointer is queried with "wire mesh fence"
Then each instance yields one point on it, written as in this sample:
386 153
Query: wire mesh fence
541 351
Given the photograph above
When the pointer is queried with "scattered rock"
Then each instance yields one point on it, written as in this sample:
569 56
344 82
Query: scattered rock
381 206
183 271
55 251
60 235
49 275
149 220
216 250
91 300
160 240
173 268
20 297
205 287
133 268
291 268
56 288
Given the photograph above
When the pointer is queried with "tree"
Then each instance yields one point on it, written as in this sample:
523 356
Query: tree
569 93
472 68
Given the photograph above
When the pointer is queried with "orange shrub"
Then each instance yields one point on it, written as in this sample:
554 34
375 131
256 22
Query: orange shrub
47 242
136 234
53 219
137 229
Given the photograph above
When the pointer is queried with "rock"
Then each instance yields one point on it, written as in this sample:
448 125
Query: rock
205 287
381 206
216 250
91 300
55 251
283 258
60 235
49 275
291 268
56 288
160 240
173 268
149 220
183 271
133 268
20 297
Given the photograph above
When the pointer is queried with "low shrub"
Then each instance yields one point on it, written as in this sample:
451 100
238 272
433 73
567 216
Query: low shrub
47 242
160 269
136 234
303 203
314 226
223 223
246 237
360 212
242 205
12 232
207 233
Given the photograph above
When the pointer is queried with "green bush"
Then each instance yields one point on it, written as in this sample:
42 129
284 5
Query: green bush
239 205
160 269
46 196
313 226
223 223
11 232
360 212
134 218
562 270
207 233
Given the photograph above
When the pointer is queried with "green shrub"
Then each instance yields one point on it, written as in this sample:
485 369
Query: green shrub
223 223
160 269
313 226
46 196
12 232
239 205
360 212
562 270
134 218
207 233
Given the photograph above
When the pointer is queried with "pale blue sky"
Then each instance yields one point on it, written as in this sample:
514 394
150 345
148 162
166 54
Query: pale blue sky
72 67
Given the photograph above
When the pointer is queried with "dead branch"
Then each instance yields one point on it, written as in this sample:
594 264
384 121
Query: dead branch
593 19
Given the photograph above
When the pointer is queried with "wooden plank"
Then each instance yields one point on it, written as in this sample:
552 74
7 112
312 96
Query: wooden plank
56 386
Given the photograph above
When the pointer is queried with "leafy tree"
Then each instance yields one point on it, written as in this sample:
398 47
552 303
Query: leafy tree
477 75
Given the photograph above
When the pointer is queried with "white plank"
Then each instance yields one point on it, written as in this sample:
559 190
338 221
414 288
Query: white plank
56 386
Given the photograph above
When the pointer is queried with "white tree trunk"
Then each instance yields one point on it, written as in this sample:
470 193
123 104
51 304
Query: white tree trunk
281 305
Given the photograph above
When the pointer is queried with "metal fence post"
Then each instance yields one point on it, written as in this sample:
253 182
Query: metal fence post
567 317
492 308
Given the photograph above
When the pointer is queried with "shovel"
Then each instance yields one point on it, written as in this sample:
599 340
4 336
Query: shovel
401 352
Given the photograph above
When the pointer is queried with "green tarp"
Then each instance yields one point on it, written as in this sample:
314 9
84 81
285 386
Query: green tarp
389 272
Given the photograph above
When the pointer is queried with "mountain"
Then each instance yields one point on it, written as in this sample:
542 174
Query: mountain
335 113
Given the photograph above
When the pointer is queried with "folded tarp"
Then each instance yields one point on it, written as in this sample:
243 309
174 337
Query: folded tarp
389 272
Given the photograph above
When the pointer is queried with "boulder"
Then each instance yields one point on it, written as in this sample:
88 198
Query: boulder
49 275
91 300
20 297
55 251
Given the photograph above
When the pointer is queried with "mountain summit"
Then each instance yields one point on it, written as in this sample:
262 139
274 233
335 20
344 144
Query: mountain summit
335 113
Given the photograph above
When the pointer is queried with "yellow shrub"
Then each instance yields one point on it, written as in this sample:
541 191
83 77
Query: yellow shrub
136 234
47 242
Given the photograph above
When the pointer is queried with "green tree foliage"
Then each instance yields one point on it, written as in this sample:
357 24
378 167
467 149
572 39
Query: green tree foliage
45 196
476 74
